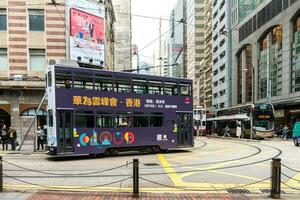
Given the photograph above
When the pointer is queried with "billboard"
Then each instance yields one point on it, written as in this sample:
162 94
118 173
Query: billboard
87 31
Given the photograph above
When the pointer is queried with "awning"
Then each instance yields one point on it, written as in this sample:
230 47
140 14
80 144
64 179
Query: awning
5 107
230 117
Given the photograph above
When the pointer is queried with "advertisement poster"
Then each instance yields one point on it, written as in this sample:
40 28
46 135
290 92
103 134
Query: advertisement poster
87 31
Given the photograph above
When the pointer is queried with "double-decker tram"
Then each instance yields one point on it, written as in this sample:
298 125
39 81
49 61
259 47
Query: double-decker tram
94 111
258 116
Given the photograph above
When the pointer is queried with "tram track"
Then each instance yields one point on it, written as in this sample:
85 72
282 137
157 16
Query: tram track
258 151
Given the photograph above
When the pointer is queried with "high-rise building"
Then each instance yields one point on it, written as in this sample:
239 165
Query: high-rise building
162 68
221 53
208 54
176 43
33 33
123 34
195 49
266 52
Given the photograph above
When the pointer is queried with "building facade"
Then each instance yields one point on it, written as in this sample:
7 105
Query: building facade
123 35
32 33
176 42
195 49
265 58
208 54
221 53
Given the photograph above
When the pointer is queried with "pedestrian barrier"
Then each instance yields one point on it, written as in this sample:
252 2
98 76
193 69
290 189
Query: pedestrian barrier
275 178
1 174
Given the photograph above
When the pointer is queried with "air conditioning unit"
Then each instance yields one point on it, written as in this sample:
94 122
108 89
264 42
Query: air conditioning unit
18 77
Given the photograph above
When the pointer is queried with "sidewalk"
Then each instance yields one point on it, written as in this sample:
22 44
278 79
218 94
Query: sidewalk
47 195
27 148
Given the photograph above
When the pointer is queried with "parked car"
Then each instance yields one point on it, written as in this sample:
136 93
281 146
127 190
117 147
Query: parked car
296 133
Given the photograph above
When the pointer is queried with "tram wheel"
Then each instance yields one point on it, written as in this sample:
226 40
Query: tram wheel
155 149
296 142
114 152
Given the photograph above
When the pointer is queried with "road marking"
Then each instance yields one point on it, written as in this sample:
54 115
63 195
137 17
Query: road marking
178 182
294 183
196 155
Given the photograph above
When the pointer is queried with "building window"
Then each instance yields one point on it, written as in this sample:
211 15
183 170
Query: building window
36 20
244 76
296 57
3 59
37 59
3 20
270 64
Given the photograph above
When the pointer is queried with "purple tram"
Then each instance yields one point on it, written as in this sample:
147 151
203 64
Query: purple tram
92 111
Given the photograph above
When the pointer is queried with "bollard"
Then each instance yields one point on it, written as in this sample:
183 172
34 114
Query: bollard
1 175
135 178
276 178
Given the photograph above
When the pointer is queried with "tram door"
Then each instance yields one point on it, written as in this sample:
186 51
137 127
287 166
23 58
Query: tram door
65 128
184 129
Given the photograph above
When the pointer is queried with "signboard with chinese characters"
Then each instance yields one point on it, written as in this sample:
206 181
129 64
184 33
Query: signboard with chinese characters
87 31
95 100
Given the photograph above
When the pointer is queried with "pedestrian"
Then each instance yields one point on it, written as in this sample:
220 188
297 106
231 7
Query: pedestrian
285 131
45 134
12 138
279 131
40 138
4 138
226 132
238 129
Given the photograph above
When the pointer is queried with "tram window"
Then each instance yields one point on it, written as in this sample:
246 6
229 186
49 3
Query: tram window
104 85
140 86
123 120
63 81
123 86
156 121
105 121
171 88
155 87
83 82
49 79
84 120
50 118
185 90
140 121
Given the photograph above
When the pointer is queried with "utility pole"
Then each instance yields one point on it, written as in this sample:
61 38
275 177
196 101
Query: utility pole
160 48
184 24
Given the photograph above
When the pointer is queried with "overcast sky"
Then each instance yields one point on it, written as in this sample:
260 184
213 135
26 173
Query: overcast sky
146 30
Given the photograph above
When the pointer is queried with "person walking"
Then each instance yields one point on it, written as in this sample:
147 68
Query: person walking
238 129
4 138
13 138
285 131
40 138
226 132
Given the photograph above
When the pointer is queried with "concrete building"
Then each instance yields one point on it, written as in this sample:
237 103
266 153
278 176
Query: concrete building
33 32
208 54
221 53
266 64
195 48
123 34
